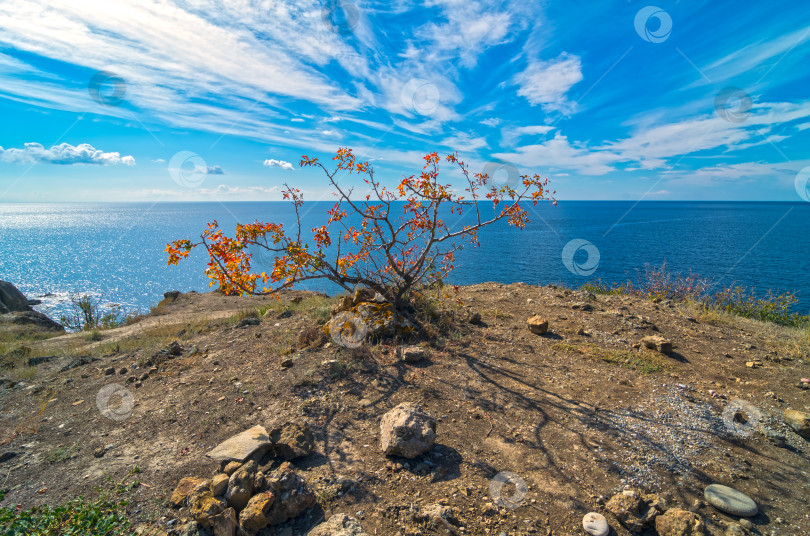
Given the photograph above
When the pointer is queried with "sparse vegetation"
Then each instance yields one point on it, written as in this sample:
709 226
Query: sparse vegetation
61 453
102 516
89 313
659 283
643 362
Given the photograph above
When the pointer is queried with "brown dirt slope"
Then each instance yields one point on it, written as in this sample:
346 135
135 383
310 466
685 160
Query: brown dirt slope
576 414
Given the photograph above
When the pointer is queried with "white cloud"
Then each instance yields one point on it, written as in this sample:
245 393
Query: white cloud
279 163
545 83
65 154
209 170
654 146
491 121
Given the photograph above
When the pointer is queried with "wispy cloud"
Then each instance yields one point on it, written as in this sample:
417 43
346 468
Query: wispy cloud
545 83
64 154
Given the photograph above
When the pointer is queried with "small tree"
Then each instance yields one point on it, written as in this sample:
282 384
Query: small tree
87 313
400 244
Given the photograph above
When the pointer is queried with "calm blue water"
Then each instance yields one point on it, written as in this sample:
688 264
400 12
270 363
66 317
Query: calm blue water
116 250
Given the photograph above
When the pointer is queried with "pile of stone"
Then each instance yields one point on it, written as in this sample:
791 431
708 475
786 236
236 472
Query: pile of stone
243 499
369 314
638 511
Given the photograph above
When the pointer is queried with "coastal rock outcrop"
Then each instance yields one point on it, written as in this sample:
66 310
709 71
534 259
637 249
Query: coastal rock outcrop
18 315
11 299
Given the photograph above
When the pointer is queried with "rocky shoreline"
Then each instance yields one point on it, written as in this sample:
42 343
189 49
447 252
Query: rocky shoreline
18 314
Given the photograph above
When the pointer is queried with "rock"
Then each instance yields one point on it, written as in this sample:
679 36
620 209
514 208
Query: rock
746 524
249 321
183 489
171 295
286 363
367 319
678 522
174 349
30 320
656 342
254 517
219 484
595 524
753 364
203 505
240 486
407 431
474 317
293 496
730 501
109 371
411 354
195 529
775 437
291 440
537 325
224 523
799 421
241 446
345 303
231 467
735 529
146 530
635 510
582 306
11 299
338 525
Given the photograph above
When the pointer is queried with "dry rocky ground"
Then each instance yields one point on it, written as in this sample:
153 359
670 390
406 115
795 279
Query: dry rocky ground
575 414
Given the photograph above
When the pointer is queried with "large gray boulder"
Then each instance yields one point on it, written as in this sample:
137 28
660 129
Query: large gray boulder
407 431
11 299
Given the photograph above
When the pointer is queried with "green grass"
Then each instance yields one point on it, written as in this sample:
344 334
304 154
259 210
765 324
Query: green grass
61 454
79 517
643 362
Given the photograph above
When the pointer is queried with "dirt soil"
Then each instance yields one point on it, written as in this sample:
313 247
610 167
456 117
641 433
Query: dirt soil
576 414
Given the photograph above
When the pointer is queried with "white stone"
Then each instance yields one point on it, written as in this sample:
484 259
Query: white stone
595 524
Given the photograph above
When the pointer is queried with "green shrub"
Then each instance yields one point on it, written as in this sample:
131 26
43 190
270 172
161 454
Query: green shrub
79 517
87 313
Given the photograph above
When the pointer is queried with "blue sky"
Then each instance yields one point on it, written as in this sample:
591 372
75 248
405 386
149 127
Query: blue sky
173 100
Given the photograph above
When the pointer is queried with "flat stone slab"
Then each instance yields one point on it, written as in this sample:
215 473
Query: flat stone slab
730 501
241 446
595 524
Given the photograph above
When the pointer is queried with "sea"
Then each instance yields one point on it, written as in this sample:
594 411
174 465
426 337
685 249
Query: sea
115 252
